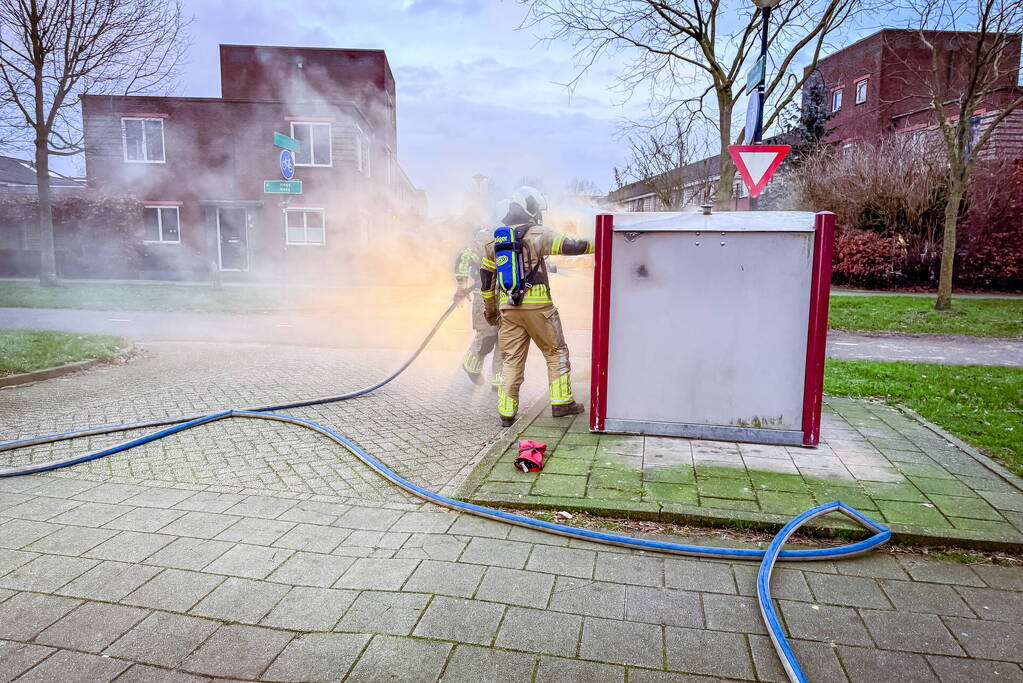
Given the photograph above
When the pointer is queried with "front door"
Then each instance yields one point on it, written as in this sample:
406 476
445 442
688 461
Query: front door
232 232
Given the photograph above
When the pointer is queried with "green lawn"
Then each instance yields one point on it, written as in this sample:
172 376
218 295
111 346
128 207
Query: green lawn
973 317
981 405
140 297
28 350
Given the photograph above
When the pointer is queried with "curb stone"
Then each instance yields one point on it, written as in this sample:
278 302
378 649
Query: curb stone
61 370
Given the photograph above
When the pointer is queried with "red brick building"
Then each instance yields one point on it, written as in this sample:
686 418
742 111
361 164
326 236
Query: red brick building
198 166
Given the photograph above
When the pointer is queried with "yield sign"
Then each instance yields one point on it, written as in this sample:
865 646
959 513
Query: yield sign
756 163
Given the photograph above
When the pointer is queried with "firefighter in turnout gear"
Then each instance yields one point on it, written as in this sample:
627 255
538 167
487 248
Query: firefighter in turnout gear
533 317
467 274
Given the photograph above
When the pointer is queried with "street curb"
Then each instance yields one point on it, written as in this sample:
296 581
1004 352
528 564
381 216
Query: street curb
61 370
985 460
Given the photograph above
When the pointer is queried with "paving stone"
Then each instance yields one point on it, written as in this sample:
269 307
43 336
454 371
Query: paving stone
61 488
261 506
109 581
590 598
312 537
933 571
241 600
377 574
199 524
242 651
870 664
700 575
851 591
541 631
250 561
496 552
46 573
173 589
471 525
141 673
786 584
375 539
400 660
988 639
1005 578
471 664
516 587
163 639
912 514
317 657
24 615
40 509
910 596
994 604
18 533
91 514
208 501
621 642
818 661
960 669
467 621
369 518
91 627
381 612
129 546
311 569
665 606
824 622
255 530
108 492
310 609
144 519
873 565
71 540
632 569
189 553
708 652
448 578
565 561
12 559
923 633
557 669
17 658
314 512
75 667
733 613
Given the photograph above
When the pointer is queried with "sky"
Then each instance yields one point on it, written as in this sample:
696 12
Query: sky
474 93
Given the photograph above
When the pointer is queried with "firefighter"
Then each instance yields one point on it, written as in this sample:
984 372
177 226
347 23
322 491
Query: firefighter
535 316
467 285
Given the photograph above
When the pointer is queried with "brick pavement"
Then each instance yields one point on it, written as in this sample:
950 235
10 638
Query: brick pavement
137 576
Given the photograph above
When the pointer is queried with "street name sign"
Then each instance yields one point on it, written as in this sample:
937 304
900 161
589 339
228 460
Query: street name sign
282 187
282 140
756 74
757 163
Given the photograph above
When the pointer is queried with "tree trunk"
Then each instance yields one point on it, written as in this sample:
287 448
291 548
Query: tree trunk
948 246
47 254
726 167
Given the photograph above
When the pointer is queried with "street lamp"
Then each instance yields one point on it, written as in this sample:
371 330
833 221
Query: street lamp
765 9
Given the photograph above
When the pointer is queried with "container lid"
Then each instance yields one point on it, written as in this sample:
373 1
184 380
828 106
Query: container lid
725 221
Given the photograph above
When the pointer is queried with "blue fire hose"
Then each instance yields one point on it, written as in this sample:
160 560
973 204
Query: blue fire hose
767 557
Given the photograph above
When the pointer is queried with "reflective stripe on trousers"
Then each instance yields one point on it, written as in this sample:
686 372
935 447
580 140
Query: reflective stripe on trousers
561 390
506 405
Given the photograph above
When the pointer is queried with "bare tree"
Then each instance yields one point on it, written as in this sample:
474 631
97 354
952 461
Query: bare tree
52 51
691 54
661 161
974 69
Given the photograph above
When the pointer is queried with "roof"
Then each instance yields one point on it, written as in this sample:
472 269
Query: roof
14 171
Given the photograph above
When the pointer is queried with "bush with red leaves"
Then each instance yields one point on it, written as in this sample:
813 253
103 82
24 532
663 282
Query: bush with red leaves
864 258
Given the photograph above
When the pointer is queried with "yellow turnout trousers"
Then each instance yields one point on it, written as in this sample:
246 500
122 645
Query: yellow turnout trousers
542 325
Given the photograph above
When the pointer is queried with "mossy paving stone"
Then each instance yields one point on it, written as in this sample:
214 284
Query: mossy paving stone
561 485
726 488
777 481
945 487
506 487
572 439
709 472
852 497
893 492
971 508
669 492
678 474
912 513
597 494
623 480
553 465
913 470
728 504
783 502
985 525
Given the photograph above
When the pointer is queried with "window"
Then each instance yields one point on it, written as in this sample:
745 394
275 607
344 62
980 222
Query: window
315 139
143 140
836 100
304 226
161 224
861 91
362 151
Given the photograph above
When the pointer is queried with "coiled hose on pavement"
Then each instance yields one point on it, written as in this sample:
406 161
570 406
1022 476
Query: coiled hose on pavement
767 557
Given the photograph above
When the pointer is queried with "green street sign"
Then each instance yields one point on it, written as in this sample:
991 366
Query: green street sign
282 187
756 74
282 140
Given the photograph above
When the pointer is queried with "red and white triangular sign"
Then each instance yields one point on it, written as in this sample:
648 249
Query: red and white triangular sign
756 163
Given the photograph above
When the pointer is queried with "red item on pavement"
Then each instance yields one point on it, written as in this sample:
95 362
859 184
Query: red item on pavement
530 456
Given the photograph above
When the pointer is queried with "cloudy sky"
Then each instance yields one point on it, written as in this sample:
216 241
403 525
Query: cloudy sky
475 94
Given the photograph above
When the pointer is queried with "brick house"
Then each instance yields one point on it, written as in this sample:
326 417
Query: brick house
198 166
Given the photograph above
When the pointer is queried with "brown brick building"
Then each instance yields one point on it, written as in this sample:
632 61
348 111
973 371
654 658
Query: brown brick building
198 165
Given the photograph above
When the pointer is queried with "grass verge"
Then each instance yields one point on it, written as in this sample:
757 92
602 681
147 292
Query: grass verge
972 317
981 405
140 297
28 350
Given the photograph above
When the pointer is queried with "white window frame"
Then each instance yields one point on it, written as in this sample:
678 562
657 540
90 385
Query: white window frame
145 151
305 226
159 223
861 84
363 155
836 99
330 142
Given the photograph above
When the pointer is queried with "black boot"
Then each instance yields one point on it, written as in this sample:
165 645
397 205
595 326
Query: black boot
507 421
565 409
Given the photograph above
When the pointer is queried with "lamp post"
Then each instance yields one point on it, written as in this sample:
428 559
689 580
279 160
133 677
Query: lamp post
765 9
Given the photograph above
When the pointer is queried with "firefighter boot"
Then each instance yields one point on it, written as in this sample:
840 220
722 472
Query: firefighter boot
565 409
507 421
